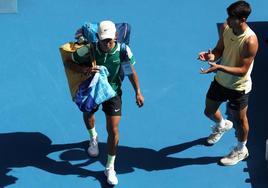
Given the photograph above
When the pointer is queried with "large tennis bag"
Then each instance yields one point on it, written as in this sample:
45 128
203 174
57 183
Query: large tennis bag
74 78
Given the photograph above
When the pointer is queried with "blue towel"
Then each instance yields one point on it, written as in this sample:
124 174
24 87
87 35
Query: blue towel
94 91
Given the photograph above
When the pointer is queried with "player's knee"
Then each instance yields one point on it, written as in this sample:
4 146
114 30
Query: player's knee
88 116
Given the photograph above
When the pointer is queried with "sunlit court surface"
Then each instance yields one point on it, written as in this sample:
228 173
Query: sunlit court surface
43 139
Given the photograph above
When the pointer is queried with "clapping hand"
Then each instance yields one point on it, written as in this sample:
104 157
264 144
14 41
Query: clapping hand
206 56
213 67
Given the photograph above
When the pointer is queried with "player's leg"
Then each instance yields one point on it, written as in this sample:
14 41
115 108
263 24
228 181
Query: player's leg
215 96
112 109
239 108
89 119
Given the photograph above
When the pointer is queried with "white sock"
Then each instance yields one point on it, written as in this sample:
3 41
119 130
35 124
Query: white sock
93 133
241 145
110 161
221 123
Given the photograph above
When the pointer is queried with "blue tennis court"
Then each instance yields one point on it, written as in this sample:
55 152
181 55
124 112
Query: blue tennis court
43 139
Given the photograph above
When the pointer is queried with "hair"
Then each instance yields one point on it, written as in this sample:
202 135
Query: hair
239 9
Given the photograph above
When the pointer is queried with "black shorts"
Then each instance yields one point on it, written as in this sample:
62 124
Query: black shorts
237 100
112 107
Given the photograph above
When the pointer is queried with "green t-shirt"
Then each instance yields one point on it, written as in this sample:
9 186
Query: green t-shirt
110 60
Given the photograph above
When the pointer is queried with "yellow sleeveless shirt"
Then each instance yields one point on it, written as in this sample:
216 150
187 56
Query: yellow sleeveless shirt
233 46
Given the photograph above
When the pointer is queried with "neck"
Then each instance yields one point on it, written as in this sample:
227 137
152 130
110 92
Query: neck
241 29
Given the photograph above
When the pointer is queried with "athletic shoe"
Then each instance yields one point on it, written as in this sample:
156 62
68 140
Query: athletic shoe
111 176
93 149
235 156
217 132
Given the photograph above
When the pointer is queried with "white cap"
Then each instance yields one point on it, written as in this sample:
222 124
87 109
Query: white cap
106 30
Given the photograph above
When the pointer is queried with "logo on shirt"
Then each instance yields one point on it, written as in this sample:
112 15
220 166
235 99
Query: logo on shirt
116 110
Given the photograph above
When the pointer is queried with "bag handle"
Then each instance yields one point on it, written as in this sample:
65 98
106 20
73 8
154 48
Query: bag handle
91 51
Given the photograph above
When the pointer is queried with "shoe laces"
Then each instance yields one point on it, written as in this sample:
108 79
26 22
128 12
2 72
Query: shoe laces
215 129
234 152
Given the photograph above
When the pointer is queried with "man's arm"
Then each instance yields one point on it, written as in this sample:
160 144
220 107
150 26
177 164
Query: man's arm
135 83
75 67
72 59
216 53
246 58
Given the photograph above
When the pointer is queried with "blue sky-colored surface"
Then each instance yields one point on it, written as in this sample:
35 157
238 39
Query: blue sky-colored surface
166 38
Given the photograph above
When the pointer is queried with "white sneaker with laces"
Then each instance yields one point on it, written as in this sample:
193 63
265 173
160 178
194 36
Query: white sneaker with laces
93 149
217 132
235 156
111 176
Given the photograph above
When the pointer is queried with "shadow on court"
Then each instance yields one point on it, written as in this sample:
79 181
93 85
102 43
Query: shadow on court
258 171
21 149
257 111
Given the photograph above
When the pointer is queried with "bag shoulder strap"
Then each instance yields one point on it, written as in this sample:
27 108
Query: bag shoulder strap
123 52
123 30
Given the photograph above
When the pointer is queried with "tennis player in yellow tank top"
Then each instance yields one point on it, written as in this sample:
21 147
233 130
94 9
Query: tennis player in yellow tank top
236 49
